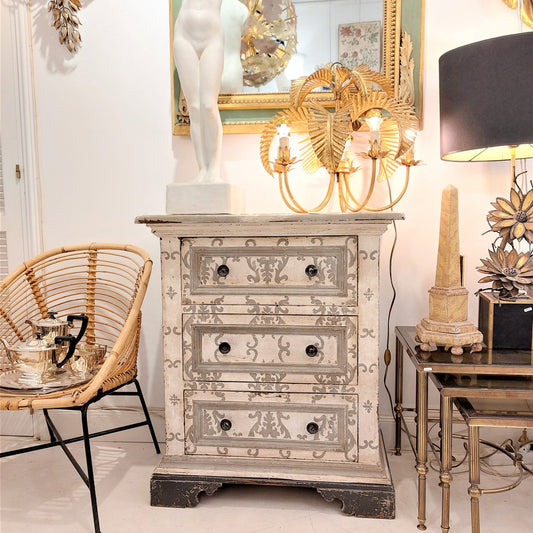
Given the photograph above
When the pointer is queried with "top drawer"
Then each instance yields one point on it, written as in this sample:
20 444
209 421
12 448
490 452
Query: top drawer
266 270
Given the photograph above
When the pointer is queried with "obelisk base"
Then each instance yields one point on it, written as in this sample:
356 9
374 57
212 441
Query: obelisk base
431 333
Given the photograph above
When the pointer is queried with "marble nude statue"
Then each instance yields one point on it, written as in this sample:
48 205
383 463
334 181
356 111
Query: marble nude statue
199 58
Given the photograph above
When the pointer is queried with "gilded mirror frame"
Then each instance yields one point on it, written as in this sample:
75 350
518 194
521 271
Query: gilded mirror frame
248 112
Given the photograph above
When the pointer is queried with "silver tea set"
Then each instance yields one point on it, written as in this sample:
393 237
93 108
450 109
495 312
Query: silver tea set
52 355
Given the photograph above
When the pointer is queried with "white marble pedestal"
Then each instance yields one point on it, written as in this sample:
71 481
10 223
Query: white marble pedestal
204 198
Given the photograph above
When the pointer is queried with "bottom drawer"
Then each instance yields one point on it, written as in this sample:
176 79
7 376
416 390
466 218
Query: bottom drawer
274 425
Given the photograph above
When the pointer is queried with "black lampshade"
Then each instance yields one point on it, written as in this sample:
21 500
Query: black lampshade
486 99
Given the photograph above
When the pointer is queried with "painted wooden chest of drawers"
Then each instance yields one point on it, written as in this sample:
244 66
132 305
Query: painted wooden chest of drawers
270 340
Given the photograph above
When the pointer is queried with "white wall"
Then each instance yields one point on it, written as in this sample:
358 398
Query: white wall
107 153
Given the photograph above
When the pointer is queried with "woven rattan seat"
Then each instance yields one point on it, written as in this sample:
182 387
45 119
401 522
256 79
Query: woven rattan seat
107 282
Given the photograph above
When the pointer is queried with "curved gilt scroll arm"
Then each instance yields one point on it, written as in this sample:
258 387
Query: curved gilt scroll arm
288 196
363 205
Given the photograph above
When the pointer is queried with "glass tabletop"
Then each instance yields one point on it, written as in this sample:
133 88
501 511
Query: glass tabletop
486 382
508 362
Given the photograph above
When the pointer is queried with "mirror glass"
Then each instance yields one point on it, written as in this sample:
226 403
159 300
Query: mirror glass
307 34
271 42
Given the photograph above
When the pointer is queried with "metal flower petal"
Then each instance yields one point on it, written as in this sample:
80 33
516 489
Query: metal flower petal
513 219
509 271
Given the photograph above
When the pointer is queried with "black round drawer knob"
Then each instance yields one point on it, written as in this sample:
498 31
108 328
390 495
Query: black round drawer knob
311 350
312 428
225 424
311 270
224 347
223 271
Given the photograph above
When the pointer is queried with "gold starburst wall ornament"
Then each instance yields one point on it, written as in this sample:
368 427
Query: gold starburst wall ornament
268 40
66 22
328 129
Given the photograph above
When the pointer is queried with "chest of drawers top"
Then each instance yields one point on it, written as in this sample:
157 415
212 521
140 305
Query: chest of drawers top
281 260
269 225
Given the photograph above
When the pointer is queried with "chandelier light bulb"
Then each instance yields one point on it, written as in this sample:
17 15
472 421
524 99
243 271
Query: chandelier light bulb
374 119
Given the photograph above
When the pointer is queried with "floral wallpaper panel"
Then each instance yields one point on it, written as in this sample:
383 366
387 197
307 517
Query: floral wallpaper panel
360 43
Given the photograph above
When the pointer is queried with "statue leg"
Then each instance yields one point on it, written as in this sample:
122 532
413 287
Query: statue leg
211 65
188 66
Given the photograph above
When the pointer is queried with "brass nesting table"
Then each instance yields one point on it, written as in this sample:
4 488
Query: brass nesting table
478 371
484 401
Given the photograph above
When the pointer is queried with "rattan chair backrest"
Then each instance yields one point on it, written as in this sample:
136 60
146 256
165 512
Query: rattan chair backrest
105 281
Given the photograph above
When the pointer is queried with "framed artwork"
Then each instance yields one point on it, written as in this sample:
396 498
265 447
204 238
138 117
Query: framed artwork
360 43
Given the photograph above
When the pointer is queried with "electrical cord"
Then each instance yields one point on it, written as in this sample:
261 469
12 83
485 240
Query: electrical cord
484 465
387 354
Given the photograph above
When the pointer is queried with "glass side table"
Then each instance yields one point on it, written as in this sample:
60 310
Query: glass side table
473 387
495 362
486 412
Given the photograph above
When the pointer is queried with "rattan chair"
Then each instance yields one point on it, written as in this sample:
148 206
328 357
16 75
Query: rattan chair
107 282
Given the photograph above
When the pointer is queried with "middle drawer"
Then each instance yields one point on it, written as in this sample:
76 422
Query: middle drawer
270 348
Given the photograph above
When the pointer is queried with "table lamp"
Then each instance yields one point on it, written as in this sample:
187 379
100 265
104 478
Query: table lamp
486 114
486 111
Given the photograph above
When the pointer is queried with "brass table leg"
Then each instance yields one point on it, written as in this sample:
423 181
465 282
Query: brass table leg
398 397
445 459
474 490
421 443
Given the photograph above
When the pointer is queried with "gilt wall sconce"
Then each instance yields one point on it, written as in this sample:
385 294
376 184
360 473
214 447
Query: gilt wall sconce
65 20
328 133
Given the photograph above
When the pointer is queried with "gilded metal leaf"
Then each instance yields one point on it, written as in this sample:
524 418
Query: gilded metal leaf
268 41
328 132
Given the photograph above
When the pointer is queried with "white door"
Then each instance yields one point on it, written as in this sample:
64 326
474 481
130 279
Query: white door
20 227
4 267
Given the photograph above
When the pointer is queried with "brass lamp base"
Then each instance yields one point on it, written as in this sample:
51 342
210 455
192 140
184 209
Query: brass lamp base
431 333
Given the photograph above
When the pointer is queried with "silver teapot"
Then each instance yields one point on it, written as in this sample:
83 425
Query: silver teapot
38 359
51 328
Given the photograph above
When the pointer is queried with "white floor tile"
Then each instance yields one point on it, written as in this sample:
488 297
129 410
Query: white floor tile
40 492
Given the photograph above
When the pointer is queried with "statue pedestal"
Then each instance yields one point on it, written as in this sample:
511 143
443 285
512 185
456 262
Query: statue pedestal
204 198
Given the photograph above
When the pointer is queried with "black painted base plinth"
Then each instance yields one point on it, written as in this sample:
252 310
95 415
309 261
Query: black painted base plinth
370 500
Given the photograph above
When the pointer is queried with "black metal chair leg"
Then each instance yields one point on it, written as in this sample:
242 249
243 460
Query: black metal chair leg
147 416
90 472
50 432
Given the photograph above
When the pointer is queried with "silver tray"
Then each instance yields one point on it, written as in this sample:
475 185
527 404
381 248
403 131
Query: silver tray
13 380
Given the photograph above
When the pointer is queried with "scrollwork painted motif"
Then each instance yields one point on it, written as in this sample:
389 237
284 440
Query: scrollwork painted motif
269 424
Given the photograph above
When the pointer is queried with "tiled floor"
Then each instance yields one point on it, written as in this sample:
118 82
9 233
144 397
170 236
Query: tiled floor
41 492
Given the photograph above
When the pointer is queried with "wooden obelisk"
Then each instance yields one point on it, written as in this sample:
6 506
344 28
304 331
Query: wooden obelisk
448 323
